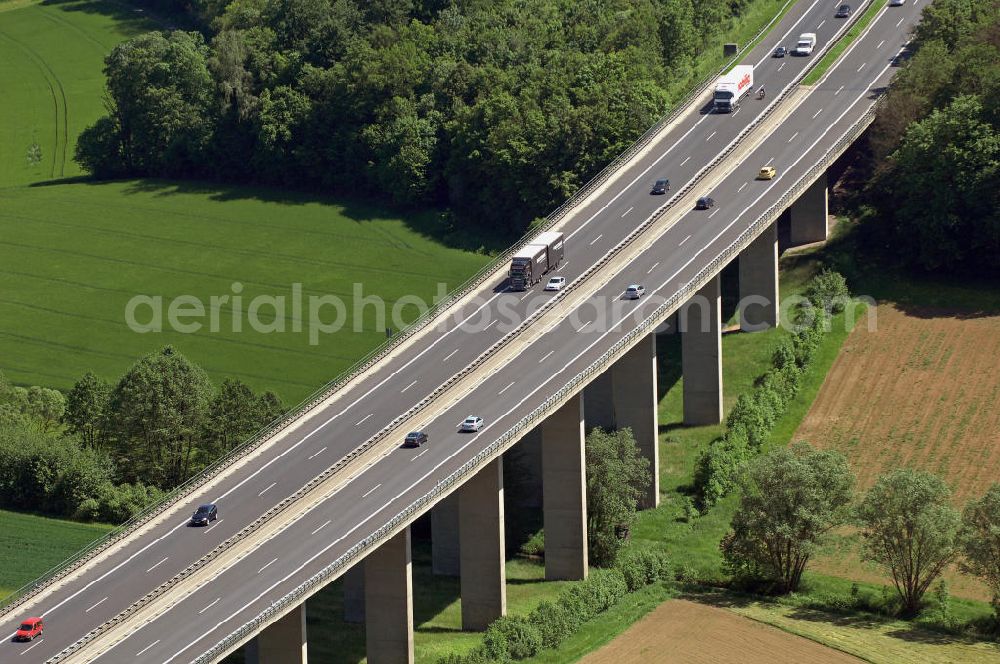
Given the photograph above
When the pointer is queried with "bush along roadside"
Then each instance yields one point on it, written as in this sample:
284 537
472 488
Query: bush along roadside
513 638
753 416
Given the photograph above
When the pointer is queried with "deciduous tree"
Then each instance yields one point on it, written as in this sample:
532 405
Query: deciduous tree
910 529
790 499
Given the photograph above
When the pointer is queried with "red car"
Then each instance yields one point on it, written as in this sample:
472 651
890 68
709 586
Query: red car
29 629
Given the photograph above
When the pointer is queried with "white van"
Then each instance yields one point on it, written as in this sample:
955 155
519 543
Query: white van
806 44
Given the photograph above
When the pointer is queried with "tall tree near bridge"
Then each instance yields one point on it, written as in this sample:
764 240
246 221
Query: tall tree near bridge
910 529
790 499
158 413
616 477
981 541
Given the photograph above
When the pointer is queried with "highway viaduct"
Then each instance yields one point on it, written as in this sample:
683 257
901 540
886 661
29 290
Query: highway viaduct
166 593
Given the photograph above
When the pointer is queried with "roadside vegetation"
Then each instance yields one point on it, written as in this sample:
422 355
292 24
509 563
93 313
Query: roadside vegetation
105 452
929 187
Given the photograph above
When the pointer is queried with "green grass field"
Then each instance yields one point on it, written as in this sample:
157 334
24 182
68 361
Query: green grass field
52 54
30 545
73 255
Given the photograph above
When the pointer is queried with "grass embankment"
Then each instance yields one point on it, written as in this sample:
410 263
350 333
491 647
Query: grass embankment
31 545
831 56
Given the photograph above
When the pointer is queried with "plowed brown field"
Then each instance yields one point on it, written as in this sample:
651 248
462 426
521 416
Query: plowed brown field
688 632
920 391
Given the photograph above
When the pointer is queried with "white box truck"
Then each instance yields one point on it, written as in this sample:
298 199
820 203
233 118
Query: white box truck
806 43
732 87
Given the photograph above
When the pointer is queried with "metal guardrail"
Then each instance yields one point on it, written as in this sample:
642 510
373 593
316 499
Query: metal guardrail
401 519
66 567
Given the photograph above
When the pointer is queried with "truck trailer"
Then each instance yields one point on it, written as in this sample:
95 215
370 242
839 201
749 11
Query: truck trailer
541 255
732 87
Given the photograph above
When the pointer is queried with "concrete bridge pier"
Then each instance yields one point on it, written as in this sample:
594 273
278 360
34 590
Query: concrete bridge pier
389 602
283 642
810 214
700 322
353 583
481 535
625 396
758 305
445 559
564 492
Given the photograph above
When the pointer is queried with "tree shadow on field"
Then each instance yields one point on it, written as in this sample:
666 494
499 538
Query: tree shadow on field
130 18
433 224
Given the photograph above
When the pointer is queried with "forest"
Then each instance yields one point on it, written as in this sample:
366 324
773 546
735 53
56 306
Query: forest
495 110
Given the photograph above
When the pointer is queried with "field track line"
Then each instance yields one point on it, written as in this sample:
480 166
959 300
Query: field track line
44 66
54 16
52 93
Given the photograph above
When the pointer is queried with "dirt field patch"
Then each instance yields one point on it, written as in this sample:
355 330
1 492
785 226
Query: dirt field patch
920 391
684 631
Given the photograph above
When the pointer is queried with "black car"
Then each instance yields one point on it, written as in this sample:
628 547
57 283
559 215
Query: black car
704 203
205 515
843 11
415 439
661 186
780 52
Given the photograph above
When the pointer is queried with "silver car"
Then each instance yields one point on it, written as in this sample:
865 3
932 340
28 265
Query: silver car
634 292
472 423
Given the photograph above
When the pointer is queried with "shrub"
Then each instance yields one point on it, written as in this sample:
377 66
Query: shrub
828 291
511 637
715 471
555 622
631 571
535 546
596 594
643 567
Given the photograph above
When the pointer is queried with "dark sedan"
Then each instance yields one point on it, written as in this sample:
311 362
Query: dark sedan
780 52
661 186
205 515
843 11
704 203
415 439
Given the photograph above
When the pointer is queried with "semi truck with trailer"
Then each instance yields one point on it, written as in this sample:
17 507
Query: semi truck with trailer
541 255
732 87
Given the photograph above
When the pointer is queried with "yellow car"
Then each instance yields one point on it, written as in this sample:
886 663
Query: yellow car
766 173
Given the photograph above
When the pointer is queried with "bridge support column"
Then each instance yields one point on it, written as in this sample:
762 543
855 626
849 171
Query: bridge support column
564 492
389 602
353 582
283 642
481 532
758 306
445 537
701 355
624 396
809 214
527 459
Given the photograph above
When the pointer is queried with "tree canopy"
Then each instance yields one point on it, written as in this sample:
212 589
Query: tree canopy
790 498
498 110
910 529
